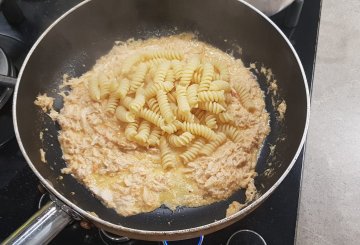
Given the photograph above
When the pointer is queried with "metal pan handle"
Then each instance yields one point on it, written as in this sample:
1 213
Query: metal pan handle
42 227
6 81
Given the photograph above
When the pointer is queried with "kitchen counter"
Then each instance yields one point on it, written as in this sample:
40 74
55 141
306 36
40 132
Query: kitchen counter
330 198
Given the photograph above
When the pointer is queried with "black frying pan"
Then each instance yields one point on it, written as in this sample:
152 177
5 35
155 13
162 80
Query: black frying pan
88 31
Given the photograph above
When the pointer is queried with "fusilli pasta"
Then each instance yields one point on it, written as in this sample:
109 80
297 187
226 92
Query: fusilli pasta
192 151
164 105
198 129
123 115
168 158
181 140
212 107
209 148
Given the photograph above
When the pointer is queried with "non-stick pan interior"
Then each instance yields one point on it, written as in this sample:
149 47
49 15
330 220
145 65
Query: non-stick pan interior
73 45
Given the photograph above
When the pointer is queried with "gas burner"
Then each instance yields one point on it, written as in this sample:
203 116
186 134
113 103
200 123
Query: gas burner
194 241
246 237
107 237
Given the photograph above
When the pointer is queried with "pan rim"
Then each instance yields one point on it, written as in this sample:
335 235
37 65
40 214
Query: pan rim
222 222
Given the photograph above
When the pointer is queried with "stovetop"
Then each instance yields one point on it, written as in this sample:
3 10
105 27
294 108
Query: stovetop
20 192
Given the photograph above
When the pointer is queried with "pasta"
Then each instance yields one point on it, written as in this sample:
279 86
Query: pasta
152 117
112 103
192 95
138 102
177 68
164 105
104 85
138 77
172 97
130 62
123 88
143 133
223 70
151 90
208 73
94 89
188 70
123 115
171 127
126 101
131 130
232 132
220 85
161 72
168 159
198 129
225 117
243 95
197 75
154 137
170 77
217 96
168 54
192 151
212 107
211 147
210 121
182 101
181 140
153 105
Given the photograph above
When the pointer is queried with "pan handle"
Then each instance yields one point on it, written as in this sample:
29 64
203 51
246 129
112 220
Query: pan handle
42 227
6 81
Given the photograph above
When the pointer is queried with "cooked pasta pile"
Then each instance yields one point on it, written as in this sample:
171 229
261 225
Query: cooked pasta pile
167 120
171 102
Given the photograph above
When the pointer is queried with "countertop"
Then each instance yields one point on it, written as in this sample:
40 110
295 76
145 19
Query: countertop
330 198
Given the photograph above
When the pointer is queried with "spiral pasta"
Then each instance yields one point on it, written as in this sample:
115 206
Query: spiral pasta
129 62
152 117
216 96
170 77
154 137
126 101
172 96
138 77
182 101
161 72
232 132
210 121
209 148
177 67
138 102
208 73
244 98
212 107
131 130
123 88
143 133
164 105
112 103
151 90
167 54
94 89
192 151
223 70
104 85
225 117
188 70
168 159
177 104
198 129
123 115
181 140
220 85
153 105
192 95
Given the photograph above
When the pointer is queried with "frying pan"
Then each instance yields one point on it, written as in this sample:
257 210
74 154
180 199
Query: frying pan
72 44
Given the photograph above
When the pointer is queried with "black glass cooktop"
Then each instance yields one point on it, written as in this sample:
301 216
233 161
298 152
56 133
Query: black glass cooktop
275 220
